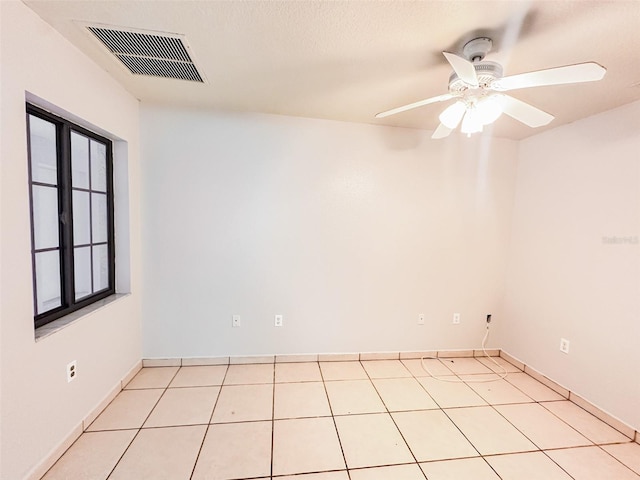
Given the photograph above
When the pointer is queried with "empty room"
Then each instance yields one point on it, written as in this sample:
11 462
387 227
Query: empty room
319 240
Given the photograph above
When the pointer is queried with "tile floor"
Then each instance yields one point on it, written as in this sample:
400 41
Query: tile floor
368 420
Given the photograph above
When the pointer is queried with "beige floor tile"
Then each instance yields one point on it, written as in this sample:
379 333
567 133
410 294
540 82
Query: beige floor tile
465 366
241 403
502 366
386 369
306 445
235 450
432 436
541 426
448 395
342 371
527 466
371 440
341 475
462 469
496 392
298 372
401 394
184 406
128 410
200 376
627 453
395 472
434 366
152 377
588 425
532 387
92 456
489 432
353 396
161 454
297 400
249 374
591 463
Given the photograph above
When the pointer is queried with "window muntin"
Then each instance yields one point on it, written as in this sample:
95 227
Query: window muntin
71 184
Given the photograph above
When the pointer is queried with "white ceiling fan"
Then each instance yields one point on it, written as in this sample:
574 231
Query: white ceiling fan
478 86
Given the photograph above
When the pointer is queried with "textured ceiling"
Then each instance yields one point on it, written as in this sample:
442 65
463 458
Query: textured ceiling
348 60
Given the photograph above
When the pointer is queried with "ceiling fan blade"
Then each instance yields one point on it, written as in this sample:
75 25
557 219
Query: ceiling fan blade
525 113
463 68
582 72
441 132
404 108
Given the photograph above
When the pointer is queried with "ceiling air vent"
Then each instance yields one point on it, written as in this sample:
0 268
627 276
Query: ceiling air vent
152 54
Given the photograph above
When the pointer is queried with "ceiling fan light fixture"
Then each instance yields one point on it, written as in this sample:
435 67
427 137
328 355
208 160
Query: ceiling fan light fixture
452 115
471 123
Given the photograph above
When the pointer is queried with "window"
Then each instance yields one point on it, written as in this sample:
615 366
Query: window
72 235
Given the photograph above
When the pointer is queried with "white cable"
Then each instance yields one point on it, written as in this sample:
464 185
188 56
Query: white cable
502 376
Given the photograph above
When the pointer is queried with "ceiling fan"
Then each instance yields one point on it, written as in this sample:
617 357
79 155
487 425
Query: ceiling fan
478 85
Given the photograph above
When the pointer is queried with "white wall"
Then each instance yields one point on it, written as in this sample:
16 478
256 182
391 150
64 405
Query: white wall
350 231
39 409
578 186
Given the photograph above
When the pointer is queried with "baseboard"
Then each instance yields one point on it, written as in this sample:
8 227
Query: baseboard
565 392
49 461
321 357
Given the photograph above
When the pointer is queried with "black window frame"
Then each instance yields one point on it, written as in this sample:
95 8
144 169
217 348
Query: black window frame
69 304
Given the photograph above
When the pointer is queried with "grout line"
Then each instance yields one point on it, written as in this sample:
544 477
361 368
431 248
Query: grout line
273 416
333 419
206 431
388 412
143 422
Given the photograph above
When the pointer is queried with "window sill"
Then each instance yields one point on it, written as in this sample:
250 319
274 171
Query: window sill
59 324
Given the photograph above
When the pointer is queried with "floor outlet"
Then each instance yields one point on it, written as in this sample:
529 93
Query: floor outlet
72 371
421 319
278 320
564 345
235 321
456 318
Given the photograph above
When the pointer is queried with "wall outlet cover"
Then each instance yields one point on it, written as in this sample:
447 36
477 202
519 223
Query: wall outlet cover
72 371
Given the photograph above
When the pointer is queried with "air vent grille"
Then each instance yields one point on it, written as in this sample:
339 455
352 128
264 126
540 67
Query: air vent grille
155 55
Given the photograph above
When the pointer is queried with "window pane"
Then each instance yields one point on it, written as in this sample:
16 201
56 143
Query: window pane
99 217
43 153
45 217
98 166
100 268
82 271
47 281
79 160
81 219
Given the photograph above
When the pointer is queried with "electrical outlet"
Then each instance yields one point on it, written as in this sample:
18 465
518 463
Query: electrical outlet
456 318
278 321
421 319
564 345
235 321
72 371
